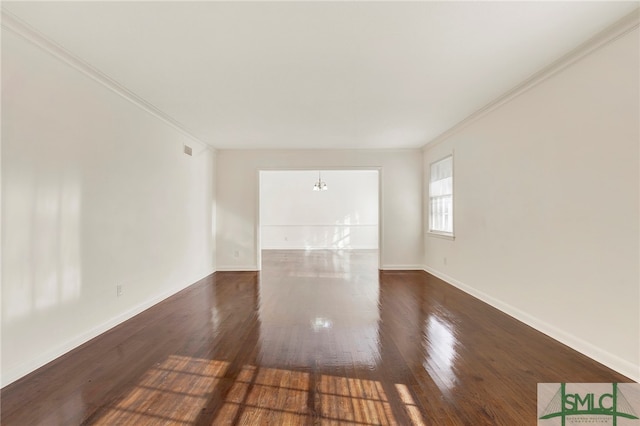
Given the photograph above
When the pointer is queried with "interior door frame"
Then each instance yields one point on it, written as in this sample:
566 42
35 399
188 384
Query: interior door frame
257 231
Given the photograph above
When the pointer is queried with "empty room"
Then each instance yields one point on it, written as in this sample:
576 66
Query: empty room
292 213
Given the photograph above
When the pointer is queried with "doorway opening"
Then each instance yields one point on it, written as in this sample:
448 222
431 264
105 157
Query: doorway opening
321 209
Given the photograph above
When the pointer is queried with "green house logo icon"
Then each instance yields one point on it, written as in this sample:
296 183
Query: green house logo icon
612 404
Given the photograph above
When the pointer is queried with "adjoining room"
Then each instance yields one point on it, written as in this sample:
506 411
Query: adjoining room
331 210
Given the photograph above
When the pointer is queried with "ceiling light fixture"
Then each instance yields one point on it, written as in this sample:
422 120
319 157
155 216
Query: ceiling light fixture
320 185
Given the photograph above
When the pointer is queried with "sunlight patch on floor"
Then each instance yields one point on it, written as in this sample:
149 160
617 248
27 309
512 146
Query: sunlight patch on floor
168 393
177 391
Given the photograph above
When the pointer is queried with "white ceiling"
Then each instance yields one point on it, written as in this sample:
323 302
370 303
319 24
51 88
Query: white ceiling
319 74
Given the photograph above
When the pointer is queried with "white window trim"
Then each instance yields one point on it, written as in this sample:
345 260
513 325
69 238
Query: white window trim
442 234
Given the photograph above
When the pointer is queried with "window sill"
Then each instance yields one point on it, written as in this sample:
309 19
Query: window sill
442 235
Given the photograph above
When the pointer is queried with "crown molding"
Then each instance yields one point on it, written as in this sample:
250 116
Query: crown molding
17 26
619 29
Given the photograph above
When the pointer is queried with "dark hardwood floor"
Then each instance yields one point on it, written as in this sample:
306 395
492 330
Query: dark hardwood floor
317 337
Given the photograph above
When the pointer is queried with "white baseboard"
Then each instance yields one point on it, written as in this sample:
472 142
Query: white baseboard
50 355
238 268
402 267
303 247
596 353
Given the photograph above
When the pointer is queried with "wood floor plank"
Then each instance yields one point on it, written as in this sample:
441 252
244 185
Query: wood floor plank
316 337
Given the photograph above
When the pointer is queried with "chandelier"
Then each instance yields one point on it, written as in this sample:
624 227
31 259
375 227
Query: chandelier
320 185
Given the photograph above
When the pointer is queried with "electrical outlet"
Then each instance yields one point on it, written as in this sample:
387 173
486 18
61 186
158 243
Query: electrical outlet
236 254
119 290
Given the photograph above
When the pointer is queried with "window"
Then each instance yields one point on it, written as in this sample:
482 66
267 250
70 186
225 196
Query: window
441 197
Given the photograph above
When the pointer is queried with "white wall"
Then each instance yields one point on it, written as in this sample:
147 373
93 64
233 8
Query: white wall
546 206
237 199
96 192
294 216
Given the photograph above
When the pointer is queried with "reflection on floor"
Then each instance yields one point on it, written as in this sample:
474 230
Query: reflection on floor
317 337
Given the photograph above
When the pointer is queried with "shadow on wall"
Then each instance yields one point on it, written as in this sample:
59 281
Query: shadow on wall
41 246
235 239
